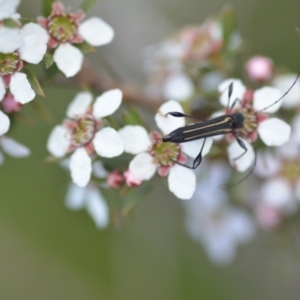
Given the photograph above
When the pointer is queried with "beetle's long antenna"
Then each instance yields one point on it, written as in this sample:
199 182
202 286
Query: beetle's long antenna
283 94
230 89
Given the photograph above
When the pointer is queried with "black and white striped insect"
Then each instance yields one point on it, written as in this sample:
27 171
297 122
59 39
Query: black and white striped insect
238 123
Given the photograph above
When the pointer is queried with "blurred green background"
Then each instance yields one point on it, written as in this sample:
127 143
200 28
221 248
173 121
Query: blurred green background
49 252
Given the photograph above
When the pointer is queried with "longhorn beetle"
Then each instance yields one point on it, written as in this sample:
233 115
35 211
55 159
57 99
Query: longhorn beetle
227 123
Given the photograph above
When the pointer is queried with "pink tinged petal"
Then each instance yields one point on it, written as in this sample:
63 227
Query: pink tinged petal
266 96
13 148
2 89
276 192
80 167
36 39
178 87
237 93
8 8
169 123
142 166
10 40
135 139
68 59
260 68
96 32
79 105
274 132
97 207
283 83
193 148
75 198
58 141
106 104
21 88
244 162
182 182
4 123
107 143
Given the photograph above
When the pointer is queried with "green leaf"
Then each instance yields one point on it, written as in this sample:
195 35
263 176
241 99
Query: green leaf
133 117
85 47
11 23
35 83
48 60
51 72
86 5
47 7
42 111
229 23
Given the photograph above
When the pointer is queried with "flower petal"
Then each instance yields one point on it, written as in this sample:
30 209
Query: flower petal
135 139
68 59
107 103
8 8
142 166
276 192
267 164
237 93
1 158
80 167
241 164
182 182
266 96
97 207
10 40
274 132
178 87
21 88
193 148
13 148
283 83
4 123
36 39
79 105
169 123
96 32
58 141
75 198
108 143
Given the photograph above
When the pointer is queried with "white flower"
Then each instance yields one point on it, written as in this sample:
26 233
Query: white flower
80 133
272 131
148 159
65 29
211 220
31 44
91 199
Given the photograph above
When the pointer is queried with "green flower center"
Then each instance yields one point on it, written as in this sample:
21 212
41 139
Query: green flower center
62 28
8 63
84 131
291 170
164 154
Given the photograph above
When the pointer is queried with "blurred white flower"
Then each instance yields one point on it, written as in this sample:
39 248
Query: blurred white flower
80 133
90 198
8 9
213 222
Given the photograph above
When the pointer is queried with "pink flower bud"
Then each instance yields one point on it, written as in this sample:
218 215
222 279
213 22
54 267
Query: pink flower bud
115 179
10 105
260 68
